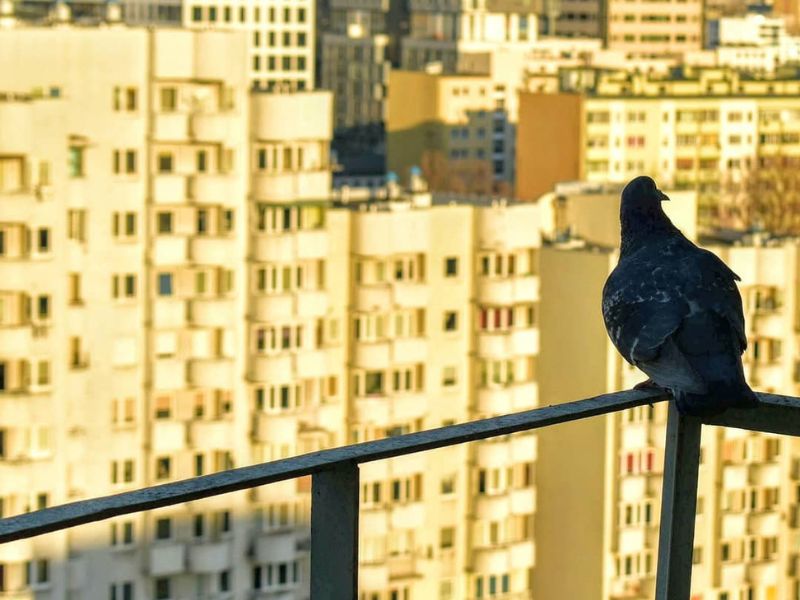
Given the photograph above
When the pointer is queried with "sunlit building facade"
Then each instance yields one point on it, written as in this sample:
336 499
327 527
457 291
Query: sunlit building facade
181 297
280 34
701 128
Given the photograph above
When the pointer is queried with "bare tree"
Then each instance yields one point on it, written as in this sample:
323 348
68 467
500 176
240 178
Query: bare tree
463 176
765 197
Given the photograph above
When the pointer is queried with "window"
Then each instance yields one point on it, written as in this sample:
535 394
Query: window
165 284
169 99
74 285
164 222
122 533
163 467
202 221
197 13
43 239
37 572
446 537
121 591
165 162
76 224
163 528
450 266
449 376
450 321
43 372
198 526
162 589
122 471
75 166
225 581
202 161
43 307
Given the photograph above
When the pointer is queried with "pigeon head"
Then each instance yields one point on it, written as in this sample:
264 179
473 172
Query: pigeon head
642 193
641 214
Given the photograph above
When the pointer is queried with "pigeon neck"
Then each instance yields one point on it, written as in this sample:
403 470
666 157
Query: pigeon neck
639 227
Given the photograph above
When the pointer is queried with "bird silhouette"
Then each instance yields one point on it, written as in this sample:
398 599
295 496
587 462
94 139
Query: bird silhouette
673 310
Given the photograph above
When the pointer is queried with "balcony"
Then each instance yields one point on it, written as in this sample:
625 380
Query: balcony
213 188
211 127
169 189
171 127
287 187
208 250
210 557
211 434
210 373
510 290
166 559
336 486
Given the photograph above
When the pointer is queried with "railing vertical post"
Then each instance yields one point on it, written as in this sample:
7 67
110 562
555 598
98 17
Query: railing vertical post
678 504
334 533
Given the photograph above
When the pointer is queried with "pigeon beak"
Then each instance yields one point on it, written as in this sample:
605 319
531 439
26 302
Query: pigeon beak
661 195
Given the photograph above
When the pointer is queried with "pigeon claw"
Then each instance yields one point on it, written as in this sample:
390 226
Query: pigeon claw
648 384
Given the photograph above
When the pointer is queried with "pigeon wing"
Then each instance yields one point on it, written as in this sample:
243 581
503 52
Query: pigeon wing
641 309
711 286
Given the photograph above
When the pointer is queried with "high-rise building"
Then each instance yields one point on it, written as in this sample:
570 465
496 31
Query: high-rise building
640 28
280 34
180 297
692 129
356 51
457 39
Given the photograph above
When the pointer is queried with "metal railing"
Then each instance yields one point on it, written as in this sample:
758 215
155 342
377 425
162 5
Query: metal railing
335 484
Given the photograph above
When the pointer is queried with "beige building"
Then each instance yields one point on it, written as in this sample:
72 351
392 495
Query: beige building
179 297
280 34
701 129
651 29
640 28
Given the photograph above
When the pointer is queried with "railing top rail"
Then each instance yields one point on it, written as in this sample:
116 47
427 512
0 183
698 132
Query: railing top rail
96 509
775 414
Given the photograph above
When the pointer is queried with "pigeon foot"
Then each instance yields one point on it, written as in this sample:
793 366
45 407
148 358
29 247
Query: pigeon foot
648 384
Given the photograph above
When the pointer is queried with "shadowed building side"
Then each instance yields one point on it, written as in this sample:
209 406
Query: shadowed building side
572 463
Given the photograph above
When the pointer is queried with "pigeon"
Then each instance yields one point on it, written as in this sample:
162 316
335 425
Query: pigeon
673 310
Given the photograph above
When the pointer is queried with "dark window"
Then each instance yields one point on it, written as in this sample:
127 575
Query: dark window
163 529
162 590
450 267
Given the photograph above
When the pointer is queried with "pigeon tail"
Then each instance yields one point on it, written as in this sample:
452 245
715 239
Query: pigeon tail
722 395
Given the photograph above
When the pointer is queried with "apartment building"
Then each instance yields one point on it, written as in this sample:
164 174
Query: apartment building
697 128
457 38
452 127
746 529
280 34
181 297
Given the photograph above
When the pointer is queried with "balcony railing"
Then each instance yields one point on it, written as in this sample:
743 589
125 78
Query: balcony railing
335 486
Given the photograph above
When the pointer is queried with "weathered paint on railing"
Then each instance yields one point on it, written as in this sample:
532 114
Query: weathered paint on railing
96 509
